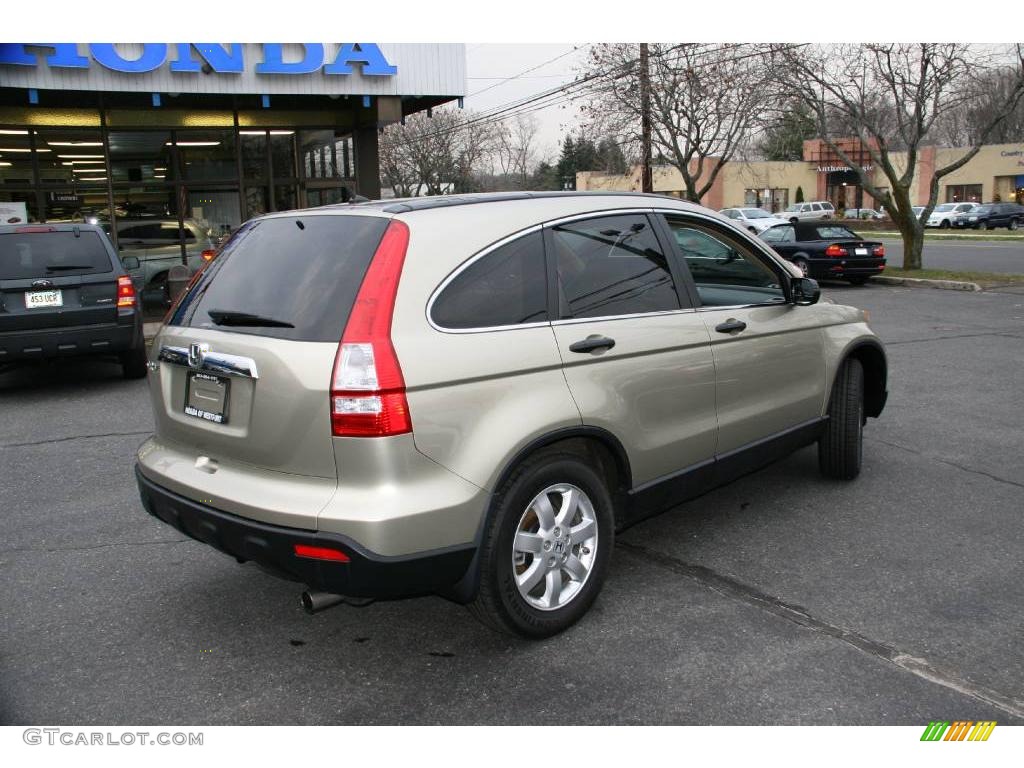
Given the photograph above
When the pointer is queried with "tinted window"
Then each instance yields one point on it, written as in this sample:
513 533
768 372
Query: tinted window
611 266
778 234
815 207
305 275
508 286
725 274
52 254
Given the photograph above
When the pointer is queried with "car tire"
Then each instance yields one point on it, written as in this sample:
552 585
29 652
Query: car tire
794 220
944 224
1012 225
752 230
133 363
841 445
985 225
803 266
510 597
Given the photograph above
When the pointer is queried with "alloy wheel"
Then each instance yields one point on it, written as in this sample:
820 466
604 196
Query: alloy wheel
555 547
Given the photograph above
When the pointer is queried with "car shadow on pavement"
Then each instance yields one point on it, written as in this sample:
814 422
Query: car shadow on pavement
78 375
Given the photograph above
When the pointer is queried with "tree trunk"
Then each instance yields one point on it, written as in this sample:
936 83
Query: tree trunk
913 243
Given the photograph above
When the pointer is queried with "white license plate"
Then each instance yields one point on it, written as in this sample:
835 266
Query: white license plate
35 299
860 251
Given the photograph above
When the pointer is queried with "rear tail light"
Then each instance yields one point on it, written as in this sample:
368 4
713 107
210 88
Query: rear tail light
879 250
367 388
836 250
208 255
125 292
320 553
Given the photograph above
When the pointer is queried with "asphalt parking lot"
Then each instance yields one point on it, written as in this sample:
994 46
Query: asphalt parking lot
781 599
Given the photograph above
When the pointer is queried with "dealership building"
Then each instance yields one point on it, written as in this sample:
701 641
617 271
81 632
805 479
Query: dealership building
995 173
169 135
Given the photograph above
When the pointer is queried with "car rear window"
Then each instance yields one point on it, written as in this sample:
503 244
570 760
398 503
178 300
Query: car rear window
303 271
52 254
831 233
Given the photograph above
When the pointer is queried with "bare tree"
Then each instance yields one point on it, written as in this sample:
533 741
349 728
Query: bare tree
706 102
516 150
892 97
447 150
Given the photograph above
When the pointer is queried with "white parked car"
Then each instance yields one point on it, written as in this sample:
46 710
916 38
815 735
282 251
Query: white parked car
944 214
757 220
816 209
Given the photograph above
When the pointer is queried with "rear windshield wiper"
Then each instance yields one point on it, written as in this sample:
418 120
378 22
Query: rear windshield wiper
227 317
63 267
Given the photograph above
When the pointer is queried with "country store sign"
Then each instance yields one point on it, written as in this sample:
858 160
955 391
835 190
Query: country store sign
208 58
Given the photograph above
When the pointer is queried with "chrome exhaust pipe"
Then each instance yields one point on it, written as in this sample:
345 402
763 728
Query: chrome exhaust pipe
314 602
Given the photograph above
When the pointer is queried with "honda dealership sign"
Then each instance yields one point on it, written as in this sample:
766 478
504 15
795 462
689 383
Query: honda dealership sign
298 68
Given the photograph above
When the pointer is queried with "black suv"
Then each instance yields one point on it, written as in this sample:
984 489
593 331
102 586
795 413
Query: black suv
992 215
64 292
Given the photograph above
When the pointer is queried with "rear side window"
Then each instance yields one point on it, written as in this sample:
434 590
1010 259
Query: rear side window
831 233
507 286
611 266
52 254
298 275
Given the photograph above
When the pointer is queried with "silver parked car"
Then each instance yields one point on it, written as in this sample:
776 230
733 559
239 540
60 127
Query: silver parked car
942 216
470 395
156 243
818 209
756 220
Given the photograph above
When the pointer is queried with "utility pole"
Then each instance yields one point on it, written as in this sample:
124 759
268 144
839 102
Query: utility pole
646 178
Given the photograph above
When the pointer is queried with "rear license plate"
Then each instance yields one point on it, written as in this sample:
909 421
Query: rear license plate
34 299
206 397
860 251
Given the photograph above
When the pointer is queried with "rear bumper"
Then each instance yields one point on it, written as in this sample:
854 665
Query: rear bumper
43 343
838 269
366 574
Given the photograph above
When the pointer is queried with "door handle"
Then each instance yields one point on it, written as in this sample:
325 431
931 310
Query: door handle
732 325
591 343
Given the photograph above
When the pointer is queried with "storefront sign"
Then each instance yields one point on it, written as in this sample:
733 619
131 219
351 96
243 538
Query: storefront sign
204 57
840 168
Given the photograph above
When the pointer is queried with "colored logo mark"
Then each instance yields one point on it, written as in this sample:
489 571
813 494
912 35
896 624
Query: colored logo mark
958 730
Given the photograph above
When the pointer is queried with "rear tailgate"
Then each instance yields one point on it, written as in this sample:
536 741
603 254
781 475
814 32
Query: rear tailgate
55 279
247 356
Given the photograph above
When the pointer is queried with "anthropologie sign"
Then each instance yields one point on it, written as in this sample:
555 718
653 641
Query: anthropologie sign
208 58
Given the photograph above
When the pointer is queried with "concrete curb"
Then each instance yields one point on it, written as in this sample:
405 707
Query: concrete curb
917 282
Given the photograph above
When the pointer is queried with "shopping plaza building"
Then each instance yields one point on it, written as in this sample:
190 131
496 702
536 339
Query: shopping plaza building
995 173
207 135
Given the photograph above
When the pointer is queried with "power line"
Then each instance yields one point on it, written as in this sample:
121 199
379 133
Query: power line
524 72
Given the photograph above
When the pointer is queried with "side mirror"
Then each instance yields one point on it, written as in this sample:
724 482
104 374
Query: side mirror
805 291
131 263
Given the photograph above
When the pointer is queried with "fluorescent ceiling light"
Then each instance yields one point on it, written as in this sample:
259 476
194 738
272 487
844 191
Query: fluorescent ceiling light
281 133
75 143
159 169
99 178
3 163
9 132
159 176
80 157
14 149
86 162
194 143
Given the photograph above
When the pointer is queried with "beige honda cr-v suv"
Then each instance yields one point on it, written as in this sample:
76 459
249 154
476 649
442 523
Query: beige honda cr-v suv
470 395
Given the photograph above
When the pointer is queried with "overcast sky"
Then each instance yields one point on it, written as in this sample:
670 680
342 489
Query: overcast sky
488 64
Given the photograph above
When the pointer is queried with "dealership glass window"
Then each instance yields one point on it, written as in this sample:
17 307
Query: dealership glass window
963 193
771 199
215 211
11 203
254 155
71 157
325 156
140 156
16 157
282 154
285 198
327 196
75 205
207 155
257 202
